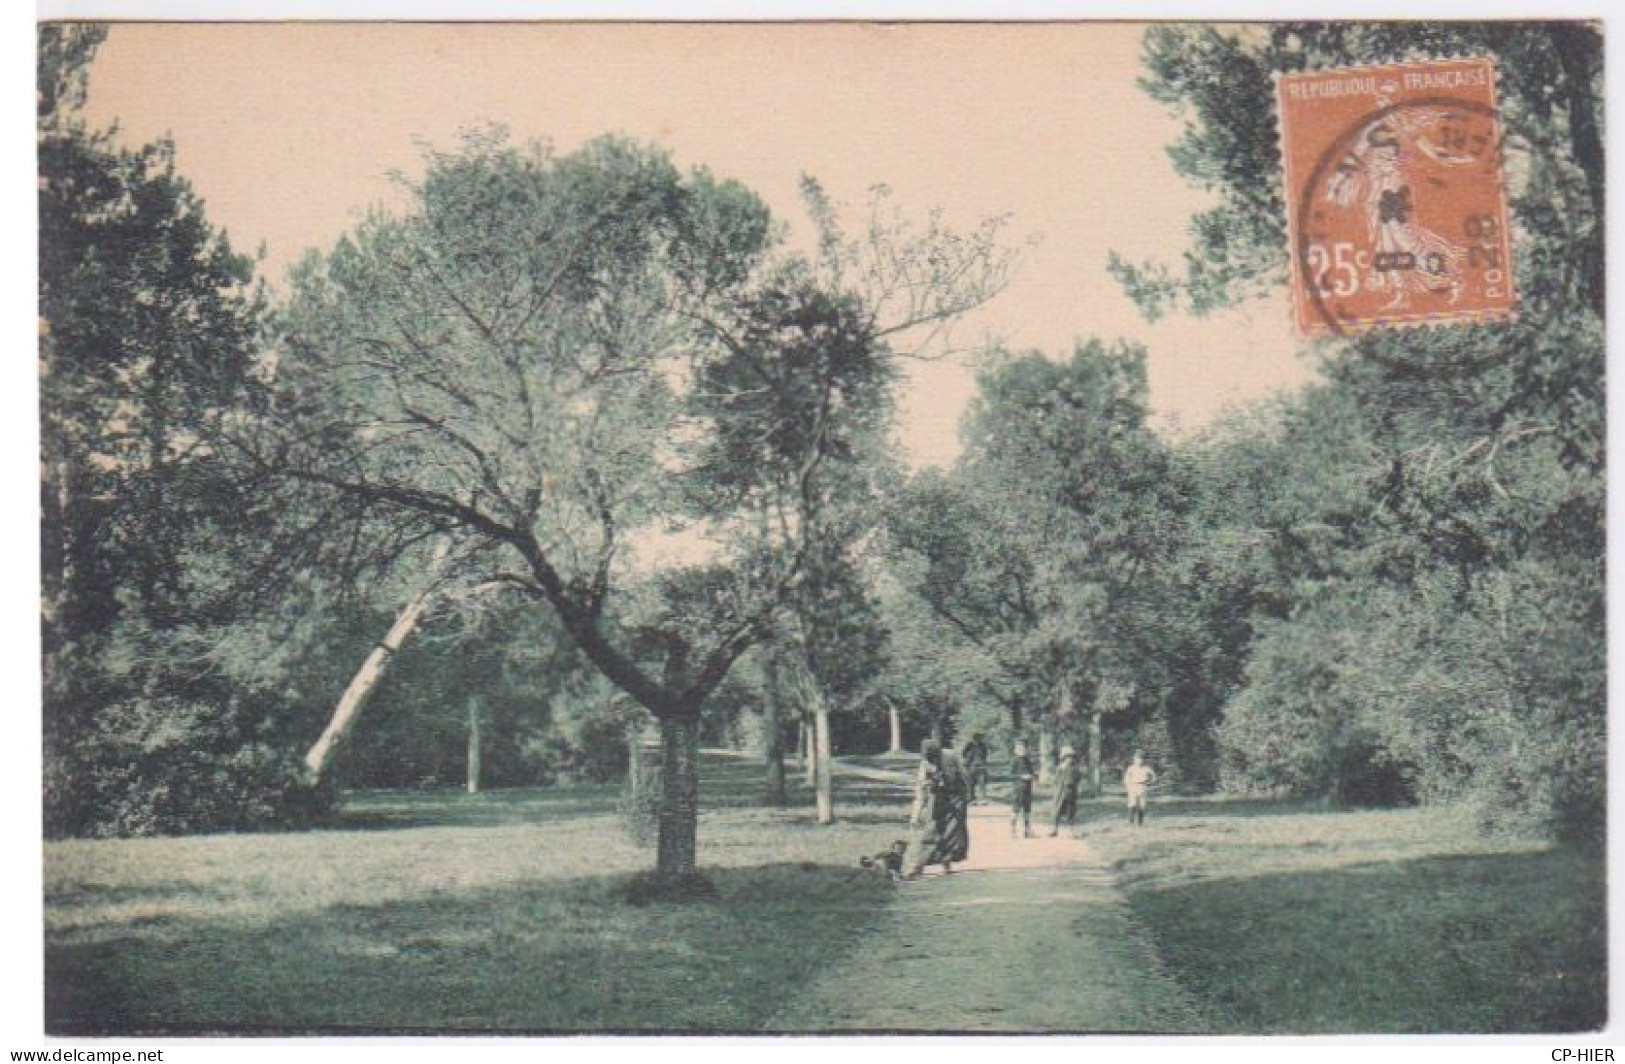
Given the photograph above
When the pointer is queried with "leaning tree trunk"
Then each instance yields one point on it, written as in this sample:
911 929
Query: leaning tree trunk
361 688
473 744
678 823
896 727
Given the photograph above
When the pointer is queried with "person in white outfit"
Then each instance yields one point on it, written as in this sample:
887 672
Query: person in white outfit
1137 781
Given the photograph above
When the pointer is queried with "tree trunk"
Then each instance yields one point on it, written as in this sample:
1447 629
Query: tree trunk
473 744
56 556
364 683
815 714
773 730
1094 754
56 566
1576 46
896 728
773 741
824 783
679 805
809 753
1046 753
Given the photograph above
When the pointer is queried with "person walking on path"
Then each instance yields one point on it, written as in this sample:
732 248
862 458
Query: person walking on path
1137 781
940 820
1022 774
975 757
1068 775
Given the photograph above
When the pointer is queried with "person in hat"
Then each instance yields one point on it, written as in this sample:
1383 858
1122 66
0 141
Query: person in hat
1137 781
940 821
1068 776
1022 774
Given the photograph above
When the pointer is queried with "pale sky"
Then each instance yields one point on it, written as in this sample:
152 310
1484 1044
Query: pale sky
288 131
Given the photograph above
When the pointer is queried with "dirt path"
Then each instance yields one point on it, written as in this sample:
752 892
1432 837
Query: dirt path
1028 935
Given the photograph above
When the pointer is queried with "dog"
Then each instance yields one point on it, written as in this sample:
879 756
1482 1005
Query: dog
889 860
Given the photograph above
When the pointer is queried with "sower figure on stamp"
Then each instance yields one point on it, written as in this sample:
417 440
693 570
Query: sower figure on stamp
1068 775
1137 781
1022 774
1414 258
939 822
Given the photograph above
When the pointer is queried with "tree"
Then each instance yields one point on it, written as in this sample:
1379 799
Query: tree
552 359
957 551
912 287
149 342
1096 504
1035 554
1475 457
149 337
835 651
932 675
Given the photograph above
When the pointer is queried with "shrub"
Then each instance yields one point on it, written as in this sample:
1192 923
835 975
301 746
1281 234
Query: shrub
596 748
1490 695
170 765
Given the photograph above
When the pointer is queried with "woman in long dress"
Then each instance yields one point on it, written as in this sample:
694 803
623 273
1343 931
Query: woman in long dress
939 822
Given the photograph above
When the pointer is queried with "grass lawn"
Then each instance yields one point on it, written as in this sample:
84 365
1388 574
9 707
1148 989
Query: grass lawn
440 911
444 911
1298 919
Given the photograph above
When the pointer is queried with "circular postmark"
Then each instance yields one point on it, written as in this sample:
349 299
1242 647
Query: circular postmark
1402 219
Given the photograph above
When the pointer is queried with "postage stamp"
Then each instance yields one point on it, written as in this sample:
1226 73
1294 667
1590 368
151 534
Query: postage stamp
1396 196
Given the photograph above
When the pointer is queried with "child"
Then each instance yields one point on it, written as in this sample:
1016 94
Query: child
1022 775
1137 781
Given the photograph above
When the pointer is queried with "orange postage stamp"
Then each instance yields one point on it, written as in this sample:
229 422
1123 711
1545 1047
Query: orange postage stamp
1395 196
